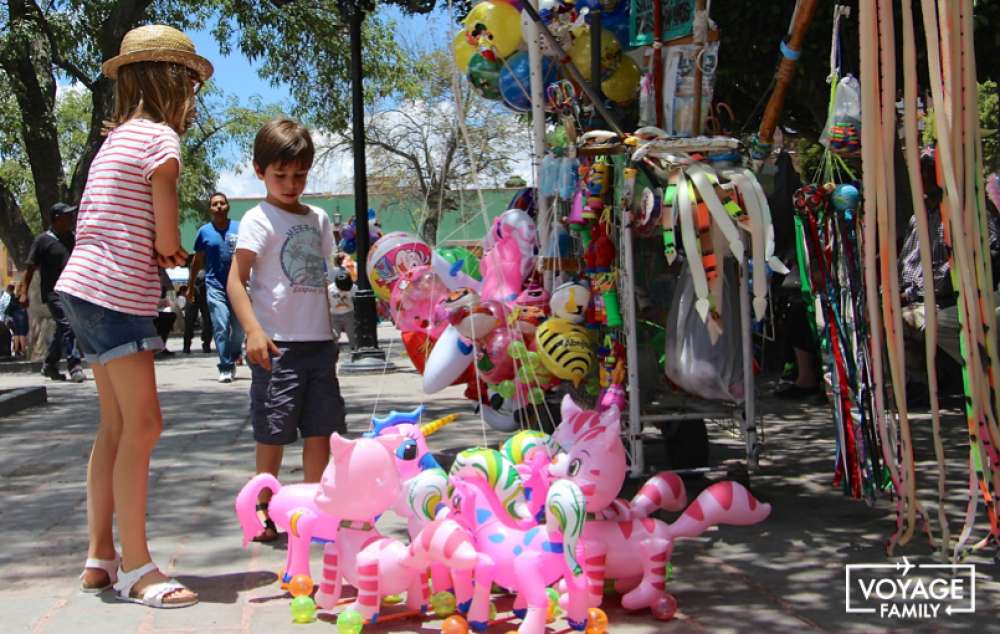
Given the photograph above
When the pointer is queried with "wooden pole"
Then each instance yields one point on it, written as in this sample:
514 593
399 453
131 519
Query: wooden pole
700 34
658 61
776 103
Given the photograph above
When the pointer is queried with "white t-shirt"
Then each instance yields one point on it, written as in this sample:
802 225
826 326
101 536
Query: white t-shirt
288 279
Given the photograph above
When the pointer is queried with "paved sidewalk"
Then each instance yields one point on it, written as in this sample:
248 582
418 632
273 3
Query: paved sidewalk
786 575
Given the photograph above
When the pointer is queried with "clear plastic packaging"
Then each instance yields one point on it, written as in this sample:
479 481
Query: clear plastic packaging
693 362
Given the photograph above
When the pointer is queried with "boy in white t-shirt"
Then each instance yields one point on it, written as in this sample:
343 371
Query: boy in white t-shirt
341 294
281 252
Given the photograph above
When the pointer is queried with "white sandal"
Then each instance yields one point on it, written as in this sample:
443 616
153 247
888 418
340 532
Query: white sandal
153 594
110 566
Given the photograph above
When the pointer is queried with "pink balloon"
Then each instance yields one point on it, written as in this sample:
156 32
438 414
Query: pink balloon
501 269
414 301
495 364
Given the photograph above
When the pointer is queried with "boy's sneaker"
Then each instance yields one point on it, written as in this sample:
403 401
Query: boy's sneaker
53 373
76 375
232 373
225 376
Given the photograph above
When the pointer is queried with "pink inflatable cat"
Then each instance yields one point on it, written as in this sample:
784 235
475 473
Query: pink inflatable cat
628 546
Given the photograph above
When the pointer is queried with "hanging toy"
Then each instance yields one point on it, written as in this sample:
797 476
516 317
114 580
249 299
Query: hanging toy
599 257
577 218
844 129
611 375
668 215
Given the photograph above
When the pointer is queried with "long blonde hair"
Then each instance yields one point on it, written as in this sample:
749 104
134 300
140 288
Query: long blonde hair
161 91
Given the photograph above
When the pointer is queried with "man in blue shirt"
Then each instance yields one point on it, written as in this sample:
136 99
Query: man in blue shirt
213 247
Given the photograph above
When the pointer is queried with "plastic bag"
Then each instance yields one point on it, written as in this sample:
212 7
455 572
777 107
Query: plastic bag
842 133
693 363
678 88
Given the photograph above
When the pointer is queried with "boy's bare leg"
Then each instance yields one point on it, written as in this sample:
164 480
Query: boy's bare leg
315 456
268 461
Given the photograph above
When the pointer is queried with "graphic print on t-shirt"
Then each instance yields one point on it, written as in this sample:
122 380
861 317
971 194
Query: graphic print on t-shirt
302 257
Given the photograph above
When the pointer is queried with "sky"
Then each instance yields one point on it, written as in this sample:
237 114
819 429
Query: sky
237 75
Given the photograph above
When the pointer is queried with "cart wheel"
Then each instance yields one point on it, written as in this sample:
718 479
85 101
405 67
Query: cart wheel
686 443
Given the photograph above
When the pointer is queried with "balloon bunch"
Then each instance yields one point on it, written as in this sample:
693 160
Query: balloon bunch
348 233
488 323
491 48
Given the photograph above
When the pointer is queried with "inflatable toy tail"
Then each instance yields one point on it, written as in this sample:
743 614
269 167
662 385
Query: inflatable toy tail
665 490
444 542
425 492
565 511
721 503
246 504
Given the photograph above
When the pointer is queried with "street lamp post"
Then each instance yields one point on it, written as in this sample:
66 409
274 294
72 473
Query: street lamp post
368 357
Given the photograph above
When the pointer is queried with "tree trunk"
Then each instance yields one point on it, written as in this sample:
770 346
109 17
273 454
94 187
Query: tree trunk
28 63
14 231
429 227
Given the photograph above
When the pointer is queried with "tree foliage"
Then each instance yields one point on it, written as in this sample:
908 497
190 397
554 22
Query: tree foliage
989 125
416 149
47 141
749 55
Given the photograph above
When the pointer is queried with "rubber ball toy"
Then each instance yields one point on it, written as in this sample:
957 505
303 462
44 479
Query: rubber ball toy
664 608
300 586
846 196
303 609
443 604
597 621
350 622
455 624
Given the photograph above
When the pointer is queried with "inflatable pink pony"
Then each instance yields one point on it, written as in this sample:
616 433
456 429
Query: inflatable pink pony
502 271
628 546
515 225
377 566
424 481
332 512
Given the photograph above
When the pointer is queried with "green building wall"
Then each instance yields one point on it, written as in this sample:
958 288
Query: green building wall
463 224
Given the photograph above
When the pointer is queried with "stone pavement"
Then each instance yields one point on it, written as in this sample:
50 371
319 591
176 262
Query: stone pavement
785 575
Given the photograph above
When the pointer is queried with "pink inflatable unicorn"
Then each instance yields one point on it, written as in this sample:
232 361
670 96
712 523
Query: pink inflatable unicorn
332 512
293 506
377 566
631 548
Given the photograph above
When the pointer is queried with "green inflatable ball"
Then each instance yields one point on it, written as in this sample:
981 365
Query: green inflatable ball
485 76
469 261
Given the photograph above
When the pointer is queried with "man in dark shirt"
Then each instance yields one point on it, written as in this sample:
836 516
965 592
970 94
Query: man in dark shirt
49 254
197 306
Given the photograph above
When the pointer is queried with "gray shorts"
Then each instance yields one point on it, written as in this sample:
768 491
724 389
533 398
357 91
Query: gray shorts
300 394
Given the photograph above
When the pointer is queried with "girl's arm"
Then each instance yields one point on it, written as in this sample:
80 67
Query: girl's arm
168 237
259 345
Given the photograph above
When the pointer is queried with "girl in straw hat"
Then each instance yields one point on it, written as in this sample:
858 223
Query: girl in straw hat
127 225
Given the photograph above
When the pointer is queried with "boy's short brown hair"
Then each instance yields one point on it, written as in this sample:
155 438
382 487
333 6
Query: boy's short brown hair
283 141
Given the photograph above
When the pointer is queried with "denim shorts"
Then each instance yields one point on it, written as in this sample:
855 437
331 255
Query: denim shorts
299 394
104 335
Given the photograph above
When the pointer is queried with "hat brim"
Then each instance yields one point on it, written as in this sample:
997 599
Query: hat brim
195 62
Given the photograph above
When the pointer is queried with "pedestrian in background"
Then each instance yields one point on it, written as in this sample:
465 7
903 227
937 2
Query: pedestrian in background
213 248
48 255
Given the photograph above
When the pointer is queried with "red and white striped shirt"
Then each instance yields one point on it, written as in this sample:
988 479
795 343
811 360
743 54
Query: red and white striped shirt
114 262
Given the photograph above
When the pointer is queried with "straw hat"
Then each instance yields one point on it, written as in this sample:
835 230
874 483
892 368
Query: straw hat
158 43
